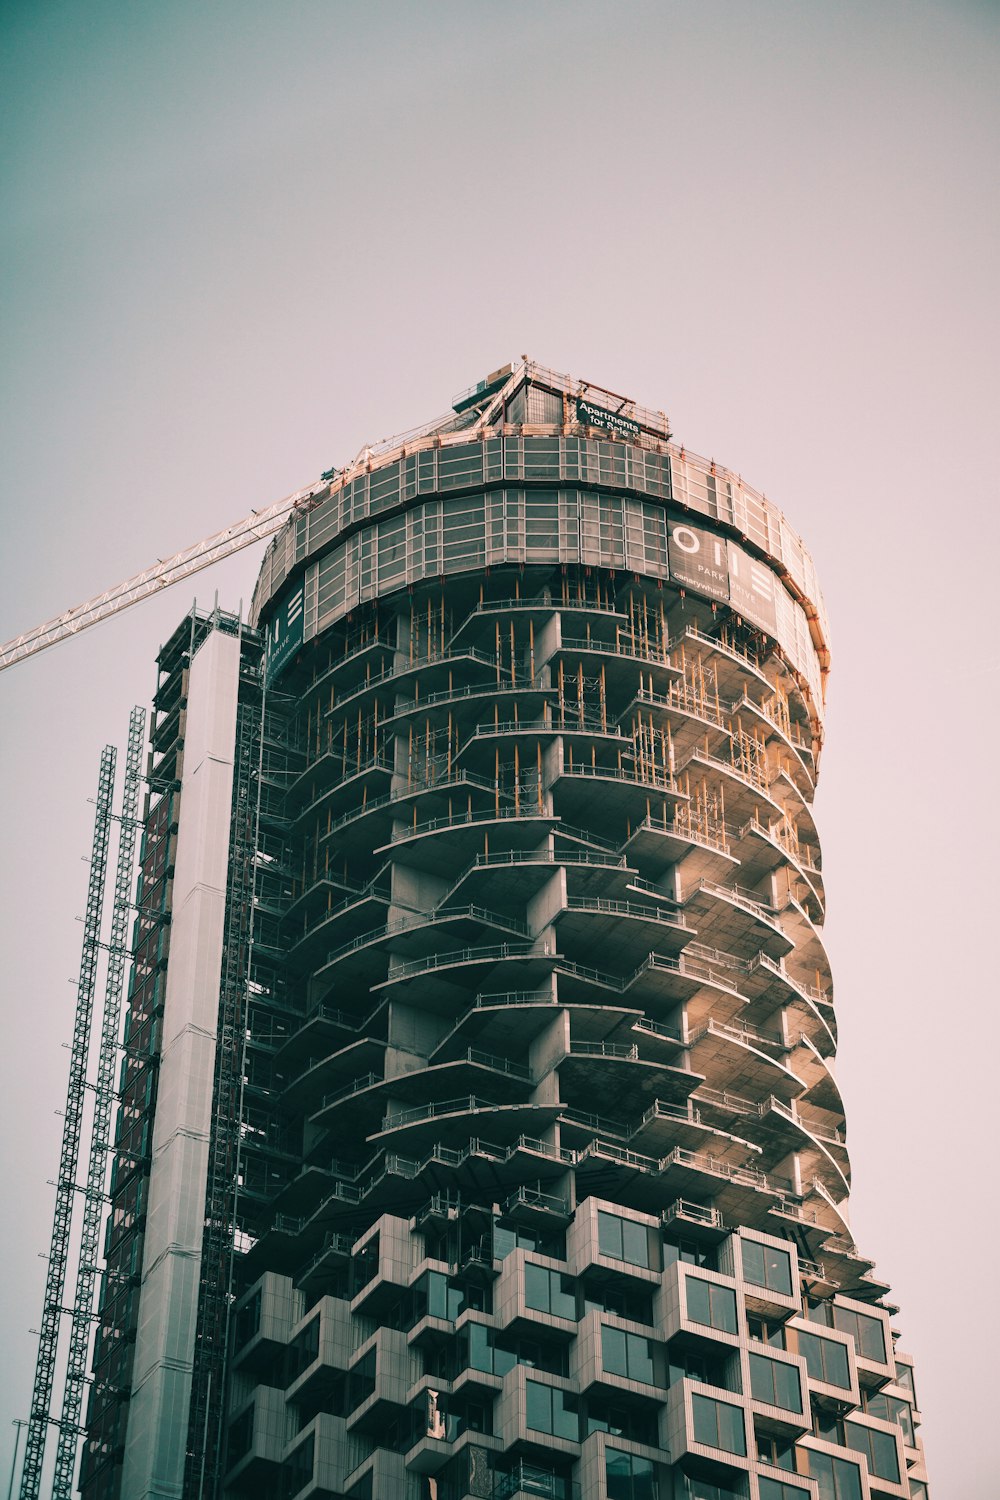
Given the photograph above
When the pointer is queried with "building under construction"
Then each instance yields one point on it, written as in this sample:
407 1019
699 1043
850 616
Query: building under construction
477 1130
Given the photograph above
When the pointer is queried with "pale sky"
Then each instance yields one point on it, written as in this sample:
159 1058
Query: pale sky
240 240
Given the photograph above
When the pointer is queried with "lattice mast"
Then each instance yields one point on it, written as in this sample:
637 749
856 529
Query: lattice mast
66 1188
104 1097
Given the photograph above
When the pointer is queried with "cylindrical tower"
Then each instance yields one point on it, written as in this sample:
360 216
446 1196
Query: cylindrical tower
543 1179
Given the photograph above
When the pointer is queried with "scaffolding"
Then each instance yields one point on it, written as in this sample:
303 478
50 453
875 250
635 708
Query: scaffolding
205 1424
39 1416
94 1197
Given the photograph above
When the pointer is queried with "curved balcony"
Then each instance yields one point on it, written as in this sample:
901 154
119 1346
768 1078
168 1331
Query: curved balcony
743 1060
742 1194
421 1123
692 718
318 1076
442 980
530 697
577 782
822 1150
736 920
518 873
665 1126
601 1074
795 741
450 840
586 925
698 845
353 780
619 658
732 664
745 788
764 847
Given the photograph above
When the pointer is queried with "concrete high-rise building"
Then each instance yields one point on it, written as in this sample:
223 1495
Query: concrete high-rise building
480 1133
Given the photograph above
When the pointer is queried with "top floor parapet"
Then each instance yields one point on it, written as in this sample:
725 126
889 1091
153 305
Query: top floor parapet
527 429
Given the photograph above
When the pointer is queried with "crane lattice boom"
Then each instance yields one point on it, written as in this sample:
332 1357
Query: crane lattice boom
252 528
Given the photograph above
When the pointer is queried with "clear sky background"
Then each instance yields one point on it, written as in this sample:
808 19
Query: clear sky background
241 239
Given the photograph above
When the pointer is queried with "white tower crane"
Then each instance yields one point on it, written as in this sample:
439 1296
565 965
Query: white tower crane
211 549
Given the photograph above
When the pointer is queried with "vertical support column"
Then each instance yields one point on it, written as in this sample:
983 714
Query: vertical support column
156 1437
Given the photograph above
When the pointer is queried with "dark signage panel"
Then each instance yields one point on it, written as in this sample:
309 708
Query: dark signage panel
599 416
752 588
284 637
698 559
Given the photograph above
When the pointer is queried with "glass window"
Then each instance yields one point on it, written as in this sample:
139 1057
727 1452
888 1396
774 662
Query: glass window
713 1305
777 1489
868 1333
892 1409
629 1477
691 1253
779 1452
824 1359
767 1333
549 1291
838 1479
638 1424
718 1424
630 1355
775 1382
462 465
766 1266
624 1239
541 523
902 1415
552 1411
879 1448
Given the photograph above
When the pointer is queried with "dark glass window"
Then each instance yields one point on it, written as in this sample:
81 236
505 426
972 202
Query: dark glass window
718 1424
766 1266
777 1489
767 1333
508 1237
777 1451
691 1253
302 1350
868 1333
635 1423
486 1349
879 1448
696 1364
631 1355
901 1413
552 1411
838 1479
627 1300
549 1291
824 1359
624 1239
713 1305
775 1382
248 1320
240 1437
628 1476
297 1469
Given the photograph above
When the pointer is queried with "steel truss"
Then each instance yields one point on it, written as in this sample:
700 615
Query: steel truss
104 1097
55 1281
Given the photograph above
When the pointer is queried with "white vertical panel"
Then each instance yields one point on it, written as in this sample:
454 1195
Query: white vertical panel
156 1436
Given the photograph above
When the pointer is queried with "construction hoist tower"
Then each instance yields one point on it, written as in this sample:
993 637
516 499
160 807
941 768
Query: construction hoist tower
92 1076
